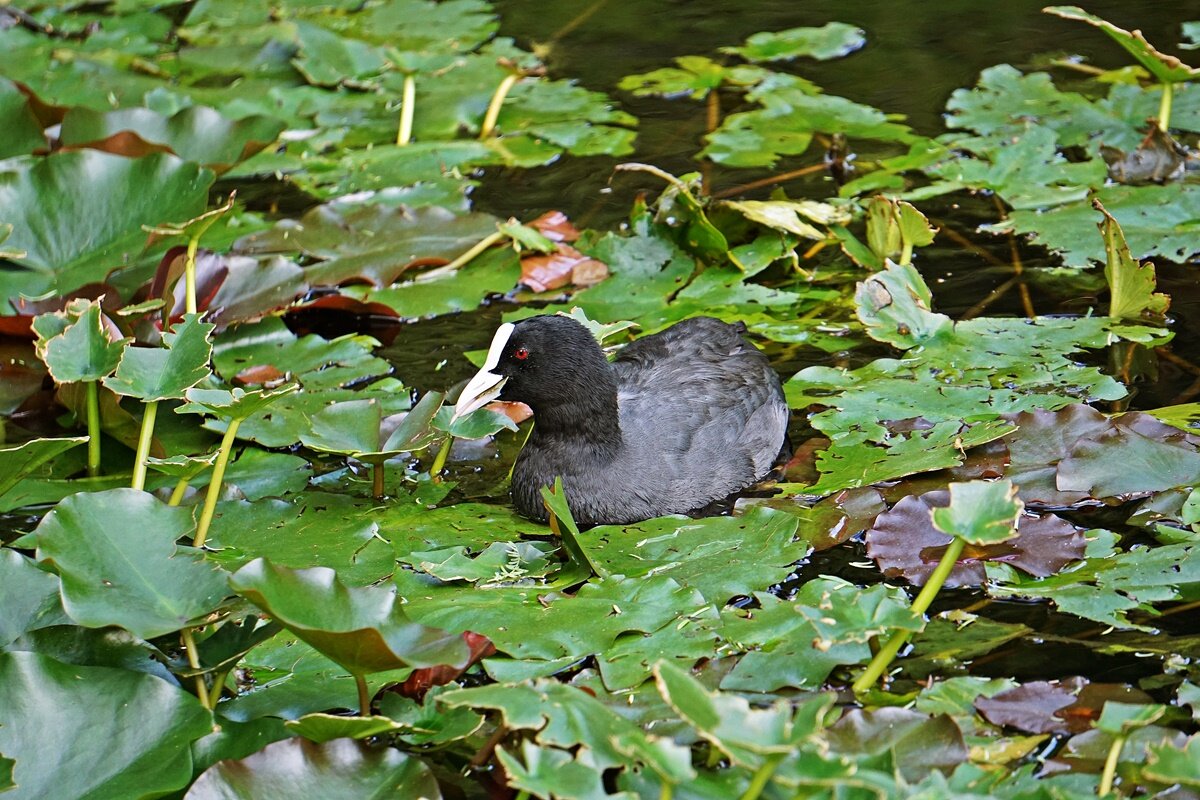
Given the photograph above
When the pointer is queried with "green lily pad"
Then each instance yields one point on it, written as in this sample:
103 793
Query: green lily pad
695 76
831 40
565 717
721 557
162 373
19 461
31 597
93 232
495 272
1170 764
236 403
370 242
196 133
746 735
134 730
23 132
338 770
316 529
321 728
115 552
363 630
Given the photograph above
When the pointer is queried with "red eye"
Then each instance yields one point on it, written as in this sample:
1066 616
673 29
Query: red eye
521 353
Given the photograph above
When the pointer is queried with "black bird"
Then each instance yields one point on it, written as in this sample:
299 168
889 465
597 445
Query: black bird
680 419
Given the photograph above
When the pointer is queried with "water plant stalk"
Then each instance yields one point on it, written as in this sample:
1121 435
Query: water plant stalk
364 697
92 390
145 437
762 776
189 275
377 474
408 99
883 658
439 461
465 258
193 657
214 695
178 492
493 109
214 485
1110 766
1164 108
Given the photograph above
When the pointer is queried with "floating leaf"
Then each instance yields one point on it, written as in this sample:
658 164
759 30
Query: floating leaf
321 728
371 242
195 133
94 232
134 730
695 76
364 630
341 769
746 735
1170 764
904 541
115 552
831 40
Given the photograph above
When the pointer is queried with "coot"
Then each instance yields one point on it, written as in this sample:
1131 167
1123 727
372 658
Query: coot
680 419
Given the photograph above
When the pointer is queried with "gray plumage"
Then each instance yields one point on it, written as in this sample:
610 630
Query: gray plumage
680 419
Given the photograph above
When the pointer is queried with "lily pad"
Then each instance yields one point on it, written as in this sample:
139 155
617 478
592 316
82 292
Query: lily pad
363 630
341 769
831 40
94 232
135 730
196 133
116 554
161 373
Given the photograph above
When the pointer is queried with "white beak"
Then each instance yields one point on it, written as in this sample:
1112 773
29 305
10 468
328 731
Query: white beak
486 385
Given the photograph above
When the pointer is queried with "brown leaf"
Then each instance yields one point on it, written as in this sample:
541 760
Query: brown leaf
1032 707
1071 705
123 143
555 226
422 680
267 375
542 272
1158 159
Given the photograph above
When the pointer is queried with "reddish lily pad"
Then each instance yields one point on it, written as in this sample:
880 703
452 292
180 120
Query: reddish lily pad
905 543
